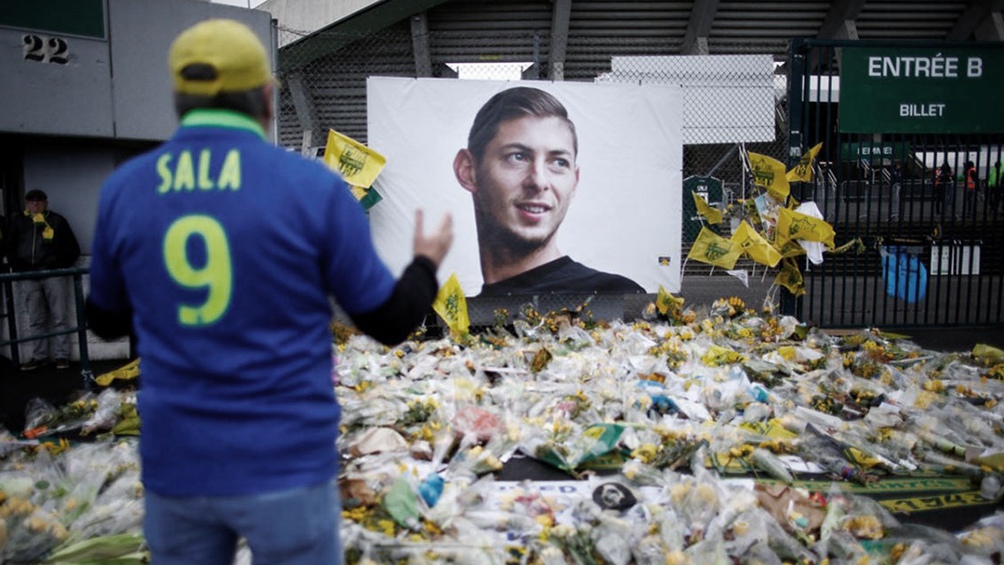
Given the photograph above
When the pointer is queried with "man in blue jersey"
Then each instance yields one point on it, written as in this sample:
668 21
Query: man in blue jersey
520 168
220 252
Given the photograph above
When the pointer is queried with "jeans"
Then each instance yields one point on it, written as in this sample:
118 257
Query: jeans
291 527
47 300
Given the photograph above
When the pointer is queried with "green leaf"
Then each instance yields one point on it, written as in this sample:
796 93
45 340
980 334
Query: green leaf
117 549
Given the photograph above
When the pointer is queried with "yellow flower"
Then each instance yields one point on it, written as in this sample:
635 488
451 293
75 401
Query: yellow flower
432 529
386 526
56 448
645 452
867 527
545 520
357 514
934 385
677 558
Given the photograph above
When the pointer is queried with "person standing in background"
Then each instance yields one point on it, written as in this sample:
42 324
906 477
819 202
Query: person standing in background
42 240
222 251
943 189
971 189
896 183
993 188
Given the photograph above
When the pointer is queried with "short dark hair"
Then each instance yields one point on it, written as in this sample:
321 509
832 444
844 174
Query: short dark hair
510 104
251 102
36 195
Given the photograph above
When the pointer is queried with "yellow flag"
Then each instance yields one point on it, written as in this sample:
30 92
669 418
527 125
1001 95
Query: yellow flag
712 215
714 249
129 371
791 249
791 278
795 225
803 170
451 305
855 245
769 173
359 165
665 302
755 246
358 191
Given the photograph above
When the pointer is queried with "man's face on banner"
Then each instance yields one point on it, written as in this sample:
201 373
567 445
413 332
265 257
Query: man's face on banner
525 181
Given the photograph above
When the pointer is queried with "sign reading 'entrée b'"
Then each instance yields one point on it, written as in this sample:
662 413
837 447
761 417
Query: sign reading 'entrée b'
921 90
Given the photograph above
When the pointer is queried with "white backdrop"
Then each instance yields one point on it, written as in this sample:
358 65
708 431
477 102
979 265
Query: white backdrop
627 210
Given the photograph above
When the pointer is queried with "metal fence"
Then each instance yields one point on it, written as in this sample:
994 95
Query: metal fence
17 334
933 243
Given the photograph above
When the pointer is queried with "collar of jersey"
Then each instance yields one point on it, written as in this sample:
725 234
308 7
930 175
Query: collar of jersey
222 119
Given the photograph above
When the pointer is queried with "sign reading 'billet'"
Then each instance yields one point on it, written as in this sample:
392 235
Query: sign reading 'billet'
921 90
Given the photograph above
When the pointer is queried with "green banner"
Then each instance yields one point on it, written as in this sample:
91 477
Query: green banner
921 90
874 151
71 17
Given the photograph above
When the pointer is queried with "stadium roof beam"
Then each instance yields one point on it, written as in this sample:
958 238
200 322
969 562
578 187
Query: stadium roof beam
981 19
303 103
420 45
369 20
561 14
992 29
695 41
841 20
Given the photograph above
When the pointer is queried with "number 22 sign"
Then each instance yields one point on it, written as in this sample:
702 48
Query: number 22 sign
46 49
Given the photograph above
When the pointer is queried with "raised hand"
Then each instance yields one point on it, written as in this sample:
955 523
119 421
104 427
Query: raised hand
436 244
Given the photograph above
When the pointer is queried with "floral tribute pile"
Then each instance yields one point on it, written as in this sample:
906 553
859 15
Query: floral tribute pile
721 435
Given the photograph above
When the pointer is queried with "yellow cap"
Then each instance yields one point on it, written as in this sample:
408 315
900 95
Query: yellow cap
216 56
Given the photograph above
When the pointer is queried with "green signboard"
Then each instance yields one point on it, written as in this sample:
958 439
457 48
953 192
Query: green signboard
708 188
921 90
874 151
70 17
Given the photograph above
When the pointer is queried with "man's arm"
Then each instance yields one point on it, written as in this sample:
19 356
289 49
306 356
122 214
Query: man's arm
410 302
413 294
69 247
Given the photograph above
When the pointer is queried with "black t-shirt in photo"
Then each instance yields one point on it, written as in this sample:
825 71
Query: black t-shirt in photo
563 275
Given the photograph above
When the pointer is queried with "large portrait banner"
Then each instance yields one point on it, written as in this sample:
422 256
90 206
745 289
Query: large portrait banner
556 187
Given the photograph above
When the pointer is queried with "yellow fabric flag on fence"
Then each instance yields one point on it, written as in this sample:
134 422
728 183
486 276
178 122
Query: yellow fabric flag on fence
359 165
711 214
714 249
665 302
791 249
795 225
803 170
791 278
451 305
769 173
755 246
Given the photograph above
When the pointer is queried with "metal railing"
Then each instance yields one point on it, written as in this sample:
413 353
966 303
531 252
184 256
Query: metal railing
77 274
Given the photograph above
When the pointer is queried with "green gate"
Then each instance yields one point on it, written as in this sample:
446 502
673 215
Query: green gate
913 136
